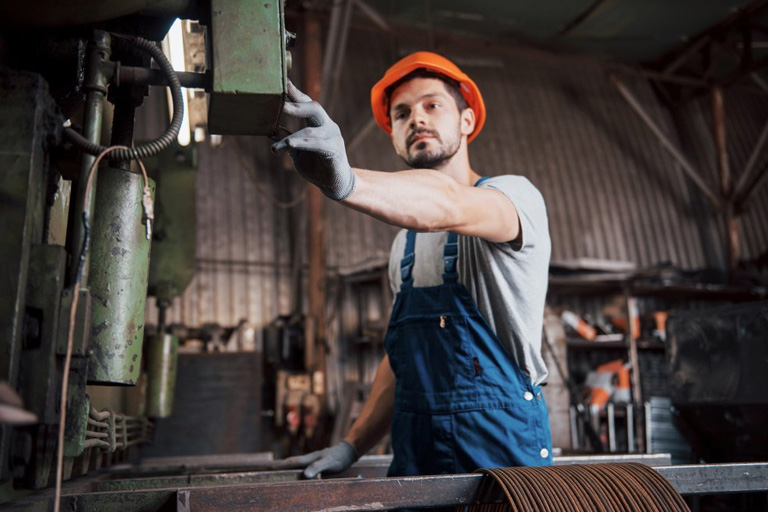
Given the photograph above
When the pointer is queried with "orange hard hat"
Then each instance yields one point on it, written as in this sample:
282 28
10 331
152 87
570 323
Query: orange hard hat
433 62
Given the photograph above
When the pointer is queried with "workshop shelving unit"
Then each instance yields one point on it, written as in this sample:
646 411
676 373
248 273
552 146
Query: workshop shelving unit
630 428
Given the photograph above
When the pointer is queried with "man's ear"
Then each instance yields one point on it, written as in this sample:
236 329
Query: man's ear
468 120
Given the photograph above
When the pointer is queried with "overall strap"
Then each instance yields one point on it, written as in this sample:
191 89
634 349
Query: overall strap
451 251
406 264
450 255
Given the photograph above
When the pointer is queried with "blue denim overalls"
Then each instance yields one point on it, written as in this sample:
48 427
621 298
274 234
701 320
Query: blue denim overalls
461 402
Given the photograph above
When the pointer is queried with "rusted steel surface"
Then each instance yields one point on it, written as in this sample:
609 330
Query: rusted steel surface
369 466
316 235
343 494
351 494
731 242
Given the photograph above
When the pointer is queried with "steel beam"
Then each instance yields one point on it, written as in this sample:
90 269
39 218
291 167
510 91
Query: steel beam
690 171
742 188
369 466
717 478
356 494
730 218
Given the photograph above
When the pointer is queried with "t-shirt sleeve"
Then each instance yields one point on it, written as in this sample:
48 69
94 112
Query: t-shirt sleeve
529 204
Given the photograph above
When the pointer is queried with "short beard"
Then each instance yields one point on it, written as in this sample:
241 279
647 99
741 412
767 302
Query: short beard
432 159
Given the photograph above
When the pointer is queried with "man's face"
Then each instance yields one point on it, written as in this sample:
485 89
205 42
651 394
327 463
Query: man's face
427 127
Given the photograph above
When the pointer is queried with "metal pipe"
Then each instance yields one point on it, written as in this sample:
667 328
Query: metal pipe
162 358
95 84
690 171
648 438
338 61
611 412
630 428
330 48
137 75
373 15
362 134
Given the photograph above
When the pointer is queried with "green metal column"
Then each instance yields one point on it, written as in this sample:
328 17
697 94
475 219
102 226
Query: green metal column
162 359
26 119
118 280
95 84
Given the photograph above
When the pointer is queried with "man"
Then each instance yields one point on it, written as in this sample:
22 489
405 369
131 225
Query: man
459 385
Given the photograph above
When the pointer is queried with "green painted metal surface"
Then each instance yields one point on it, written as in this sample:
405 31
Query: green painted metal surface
81 332
249 66
38 375
78 407
162 361
174 237
26 118
118 281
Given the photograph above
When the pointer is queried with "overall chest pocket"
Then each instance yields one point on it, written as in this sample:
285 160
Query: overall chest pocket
433 355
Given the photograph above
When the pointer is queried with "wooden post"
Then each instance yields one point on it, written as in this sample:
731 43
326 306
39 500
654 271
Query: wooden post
731 221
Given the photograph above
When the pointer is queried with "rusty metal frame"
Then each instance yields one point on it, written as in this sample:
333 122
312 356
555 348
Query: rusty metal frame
234 492
698 63
666 142
699 58
369 466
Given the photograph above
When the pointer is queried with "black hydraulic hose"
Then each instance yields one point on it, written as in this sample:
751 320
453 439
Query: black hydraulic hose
162 142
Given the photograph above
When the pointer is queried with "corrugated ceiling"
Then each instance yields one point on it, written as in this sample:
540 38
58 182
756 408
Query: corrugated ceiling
634 30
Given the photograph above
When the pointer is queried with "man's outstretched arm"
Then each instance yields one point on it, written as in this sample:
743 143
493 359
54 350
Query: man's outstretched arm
421 199
425 200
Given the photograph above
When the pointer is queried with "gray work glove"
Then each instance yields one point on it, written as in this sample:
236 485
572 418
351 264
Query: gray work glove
335 459
317 151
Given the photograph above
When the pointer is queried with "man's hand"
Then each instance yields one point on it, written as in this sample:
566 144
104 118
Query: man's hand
317 151
335 459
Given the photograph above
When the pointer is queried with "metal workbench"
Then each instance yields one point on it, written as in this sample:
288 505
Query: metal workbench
235 483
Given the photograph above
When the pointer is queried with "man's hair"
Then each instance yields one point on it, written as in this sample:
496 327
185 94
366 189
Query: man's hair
451 85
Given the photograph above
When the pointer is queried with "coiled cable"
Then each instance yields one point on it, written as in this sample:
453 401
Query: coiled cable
163 141
625 487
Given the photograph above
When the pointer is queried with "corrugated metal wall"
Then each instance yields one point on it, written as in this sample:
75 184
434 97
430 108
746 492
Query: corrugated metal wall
611 190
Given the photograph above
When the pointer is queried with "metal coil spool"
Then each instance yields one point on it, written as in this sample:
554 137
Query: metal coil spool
628 487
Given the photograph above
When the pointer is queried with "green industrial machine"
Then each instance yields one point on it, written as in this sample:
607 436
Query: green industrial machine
84 245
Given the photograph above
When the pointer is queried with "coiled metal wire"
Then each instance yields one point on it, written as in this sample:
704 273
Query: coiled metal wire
164 140
625 487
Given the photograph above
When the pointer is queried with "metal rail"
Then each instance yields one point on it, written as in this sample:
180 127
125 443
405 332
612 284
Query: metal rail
356 494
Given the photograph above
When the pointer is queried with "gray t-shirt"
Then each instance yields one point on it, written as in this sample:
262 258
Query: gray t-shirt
508 281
